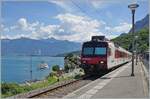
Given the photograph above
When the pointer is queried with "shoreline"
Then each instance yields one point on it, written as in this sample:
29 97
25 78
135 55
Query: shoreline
50 80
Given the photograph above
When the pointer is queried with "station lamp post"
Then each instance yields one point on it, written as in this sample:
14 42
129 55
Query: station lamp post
133 7
136 45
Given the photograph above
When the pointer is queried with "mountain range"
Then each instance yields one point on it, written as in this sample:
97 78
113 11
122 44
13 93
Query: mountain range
48 47
143 23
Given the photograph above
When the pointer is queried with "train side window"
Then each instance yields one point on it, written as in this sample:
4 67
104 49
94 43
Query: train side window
116 53
109 51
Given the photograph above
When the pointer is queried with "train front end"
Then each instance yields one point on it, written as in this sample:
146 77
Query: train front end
94 55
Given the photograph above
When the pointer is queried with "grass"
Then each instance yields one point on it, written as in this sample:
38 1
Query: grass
10 89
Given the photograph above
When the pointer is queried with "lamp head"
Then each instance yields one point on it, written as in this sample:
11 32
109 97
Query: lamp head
133 6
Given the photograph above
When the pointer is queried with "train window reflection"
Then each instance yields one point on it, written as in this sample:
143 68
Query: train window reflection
100 51
88 51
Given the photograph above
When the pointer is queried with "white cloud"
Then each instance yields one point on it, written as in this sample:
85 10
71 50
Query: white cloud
59 2
104 3
99 4
14 36
121 28
22 23
72 27
76 27
13 27
49 28
45 31
65 4
33 30
71 6
111 36
3 28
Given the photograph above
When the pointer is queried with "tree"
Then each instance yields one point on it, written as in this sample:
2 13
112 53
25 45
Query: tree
55 68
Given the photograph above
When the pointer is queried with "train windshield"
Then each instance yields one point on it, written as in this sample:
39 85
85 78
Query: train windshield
94 51
100 51
88 51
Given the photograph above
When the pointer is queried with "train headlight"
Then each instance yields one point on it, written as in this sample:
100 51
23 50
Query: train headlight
84 61
101 62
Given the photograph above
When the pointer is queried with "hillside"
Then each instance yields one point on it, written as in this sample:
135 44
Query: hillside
126 40
26 46
141 30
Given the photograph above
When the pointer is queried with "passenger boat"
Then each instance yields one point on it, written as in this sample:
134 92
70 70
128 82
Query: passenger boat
43 65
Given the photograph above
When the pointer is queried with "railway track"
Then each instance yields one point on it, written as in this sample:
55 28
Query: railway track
62 89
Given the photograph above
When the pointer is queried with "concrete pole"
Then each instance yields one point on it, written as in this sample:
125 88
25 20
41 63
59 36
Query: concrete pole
133 40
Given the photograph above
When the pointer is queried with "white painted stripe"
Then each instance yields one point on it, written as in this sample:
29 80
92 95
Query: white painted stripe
104 82
92 91
85 97
98 87
70 95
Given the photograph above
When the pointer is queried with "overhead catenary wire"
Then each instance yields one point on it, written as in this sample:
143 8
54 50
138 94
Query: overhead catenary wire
83 11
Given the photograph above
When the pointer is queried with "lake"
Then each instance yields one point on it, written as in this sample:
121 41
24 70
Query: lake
17 68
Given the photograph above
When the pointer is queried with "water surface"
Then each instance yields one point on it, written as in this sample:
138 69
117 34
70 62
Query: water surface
17 68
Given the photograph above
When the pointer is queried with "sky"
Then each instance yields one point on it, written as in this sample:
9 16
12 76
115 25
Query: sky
73 20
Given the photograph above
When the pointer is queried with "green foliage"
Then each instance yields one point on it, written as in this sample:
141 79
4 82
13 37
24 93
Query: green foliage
28 88
71 62
77 76
66 67
52 73
142 41
55 68
52 80
11 88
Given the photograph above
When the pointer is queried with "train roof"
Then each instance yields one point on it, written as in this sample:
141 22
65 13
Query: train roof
94 42
102 39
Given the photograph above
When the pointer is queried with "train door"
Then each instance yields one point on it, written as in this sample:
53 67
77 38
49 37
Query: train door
110 56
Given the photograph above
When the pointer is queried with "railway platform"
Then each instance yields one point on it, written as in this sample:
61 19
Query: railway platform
116 84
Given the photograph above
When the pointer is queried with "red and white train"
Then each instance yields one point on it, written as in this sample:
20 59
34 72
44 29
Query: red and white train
100 54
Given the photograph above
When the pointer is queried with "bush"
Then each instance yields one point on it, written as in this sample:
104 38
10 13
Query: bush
77 76
52 80
11 88
55 68
66 68
27 88
51 74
